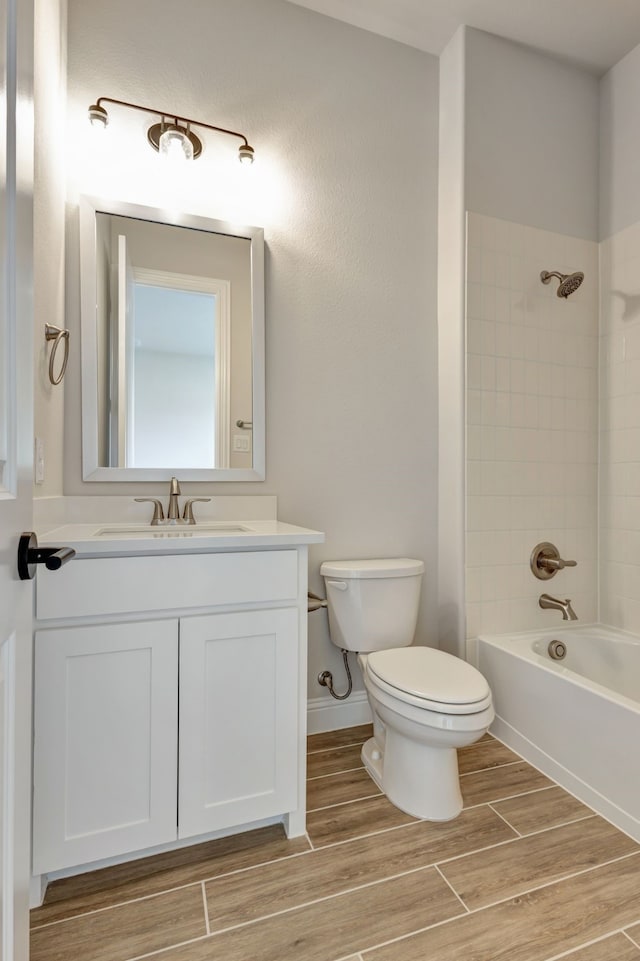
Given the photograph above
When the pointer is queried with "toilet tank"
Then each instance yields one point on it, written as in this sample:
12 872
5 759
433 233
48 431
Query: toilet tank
372 604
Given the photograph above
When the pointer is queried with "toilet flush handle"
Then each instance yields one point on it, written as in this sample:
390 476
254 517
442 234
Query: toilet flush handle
339 585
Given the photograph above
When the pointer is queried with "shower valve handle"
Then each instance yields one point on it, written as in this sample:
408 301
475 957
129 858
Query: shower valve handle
553 564
545 561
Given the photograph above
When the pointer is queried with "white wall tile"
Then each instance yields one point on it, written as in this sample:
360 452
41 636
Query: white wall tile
532 438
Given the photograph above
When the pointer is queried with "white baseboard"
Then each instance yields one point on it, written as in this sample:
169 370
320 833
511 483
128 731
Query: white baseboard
327 714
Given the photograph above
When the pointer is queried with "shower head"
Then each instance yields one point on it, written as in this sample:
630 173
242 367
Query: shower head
568 282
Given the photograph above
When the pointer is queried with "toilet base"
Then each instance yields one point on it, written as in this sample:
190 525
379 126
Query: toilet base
372 759
417 778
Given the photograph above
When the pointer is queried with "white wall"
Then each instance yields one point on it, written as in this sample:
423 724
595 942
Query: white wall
620 346
344 124
531 137
620 429
620 146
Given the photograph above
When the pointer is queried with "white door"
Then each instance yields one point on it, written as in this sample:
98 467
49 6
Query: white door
16 440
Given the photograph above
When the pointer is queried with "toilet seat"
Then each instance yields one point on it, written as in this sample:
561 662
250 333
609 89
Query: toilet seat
430 679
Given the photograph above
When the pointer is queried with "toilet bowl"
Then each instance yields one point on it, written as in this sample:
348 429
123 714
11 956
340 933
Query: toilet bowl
425 703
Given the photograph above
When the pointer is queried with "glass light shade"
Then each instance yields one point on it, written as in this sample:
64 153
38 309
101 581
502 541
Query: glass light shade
98 117
245 153
174 145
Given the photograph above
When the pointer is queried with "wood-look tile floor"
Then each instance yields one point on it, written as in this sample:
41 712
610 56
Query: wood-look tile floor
525 873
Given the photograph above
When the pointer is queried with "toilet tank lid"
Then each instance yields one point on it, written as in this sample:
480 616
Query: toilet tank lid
380 567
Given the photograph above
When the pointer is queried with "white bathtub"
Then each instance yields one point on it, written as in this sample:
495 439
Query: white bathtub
578 719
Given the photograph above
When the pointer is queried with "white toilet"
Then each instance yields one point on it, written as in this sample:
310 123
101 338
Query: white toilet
425 703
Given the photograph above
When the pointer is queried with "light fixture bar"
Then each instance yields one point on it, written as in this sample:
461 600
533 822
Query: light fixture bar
98 114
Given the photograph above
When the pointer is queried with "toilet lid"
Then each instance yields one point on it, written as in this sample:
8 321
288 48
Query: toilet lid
431 675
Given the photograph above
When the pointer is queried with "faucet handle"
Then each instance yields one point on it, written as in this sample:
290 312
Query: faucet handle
187 515
158 513
545 561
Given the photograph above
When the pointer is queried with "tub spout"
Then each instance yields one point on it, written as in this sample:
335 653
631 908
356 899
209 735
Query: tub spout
547 602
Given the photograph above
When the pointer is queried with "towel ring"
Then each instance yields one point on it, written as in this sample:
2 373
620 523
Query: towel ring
57 335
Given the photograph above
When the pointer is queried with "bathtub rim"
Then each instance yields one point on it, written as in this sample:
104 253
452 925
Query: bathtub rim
508 641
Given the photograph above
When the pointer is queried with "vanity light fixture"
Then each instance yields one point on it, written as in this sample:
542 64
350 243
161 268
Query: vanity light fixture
172 136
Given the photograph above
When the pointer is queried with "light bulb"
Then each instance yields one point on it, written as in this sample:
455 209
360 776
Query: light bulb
175 145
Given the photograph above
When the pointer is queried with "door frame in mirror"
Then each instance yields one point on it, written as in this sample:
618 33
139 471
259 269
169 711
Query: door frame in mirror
91 468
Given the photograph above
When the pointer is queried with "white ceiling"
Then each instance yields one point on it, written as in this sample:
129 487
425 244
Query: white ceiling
594 34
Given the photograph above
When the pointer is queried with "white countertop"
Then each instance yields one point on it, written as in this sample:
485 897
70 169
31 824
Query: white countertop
113 539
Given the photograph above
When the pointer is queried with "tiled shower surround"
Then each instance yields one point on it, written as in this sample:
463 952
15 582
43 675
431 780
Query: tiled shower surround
532 424
620 430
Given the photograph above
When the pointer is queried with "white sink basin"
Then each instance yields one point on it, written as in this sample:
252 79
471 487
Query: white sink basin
172 530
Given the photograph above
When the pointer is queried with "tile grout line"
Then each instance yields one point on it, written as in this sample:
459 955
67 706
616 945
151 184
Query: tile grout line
275 914
341 747
564 877
508 823
170 947
206 908
266 864
406 826
328 897
520 837
171 890
634 943
587 944
467 911
226 874
485 907
584 817
495 767
112 907
355 800
360 767
348 770
312 847
452 889
505 797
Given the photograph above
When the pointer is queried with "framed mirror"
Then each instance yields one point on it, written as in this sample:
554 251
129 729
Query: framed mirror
172 346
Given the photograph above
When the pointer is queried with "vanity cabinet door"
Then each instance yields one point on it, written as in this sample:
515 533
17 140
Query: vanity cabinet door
238 740
105 751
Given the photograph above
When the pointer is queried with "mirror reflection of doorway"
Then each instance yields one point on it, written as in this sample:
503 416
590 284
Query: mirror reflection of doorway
171 363
172 404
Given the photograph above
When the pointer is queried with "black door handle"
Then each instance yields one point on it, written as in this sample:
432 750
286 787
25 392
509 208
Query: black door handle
29 554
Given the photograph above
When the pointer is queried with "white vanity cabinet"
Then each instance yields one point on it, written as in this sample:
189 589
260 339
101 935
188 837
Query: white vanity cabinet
170 701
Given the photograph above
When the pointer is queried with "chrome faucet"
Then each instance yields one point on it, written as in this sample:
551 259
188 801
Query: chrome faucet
547 602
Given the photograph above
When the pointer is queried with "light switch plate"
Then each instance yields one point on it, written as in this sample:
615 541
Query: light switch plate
241 443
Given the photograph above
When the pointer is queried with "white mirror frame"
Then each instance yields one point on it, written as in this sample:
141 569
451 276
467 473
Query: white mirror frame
91 469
